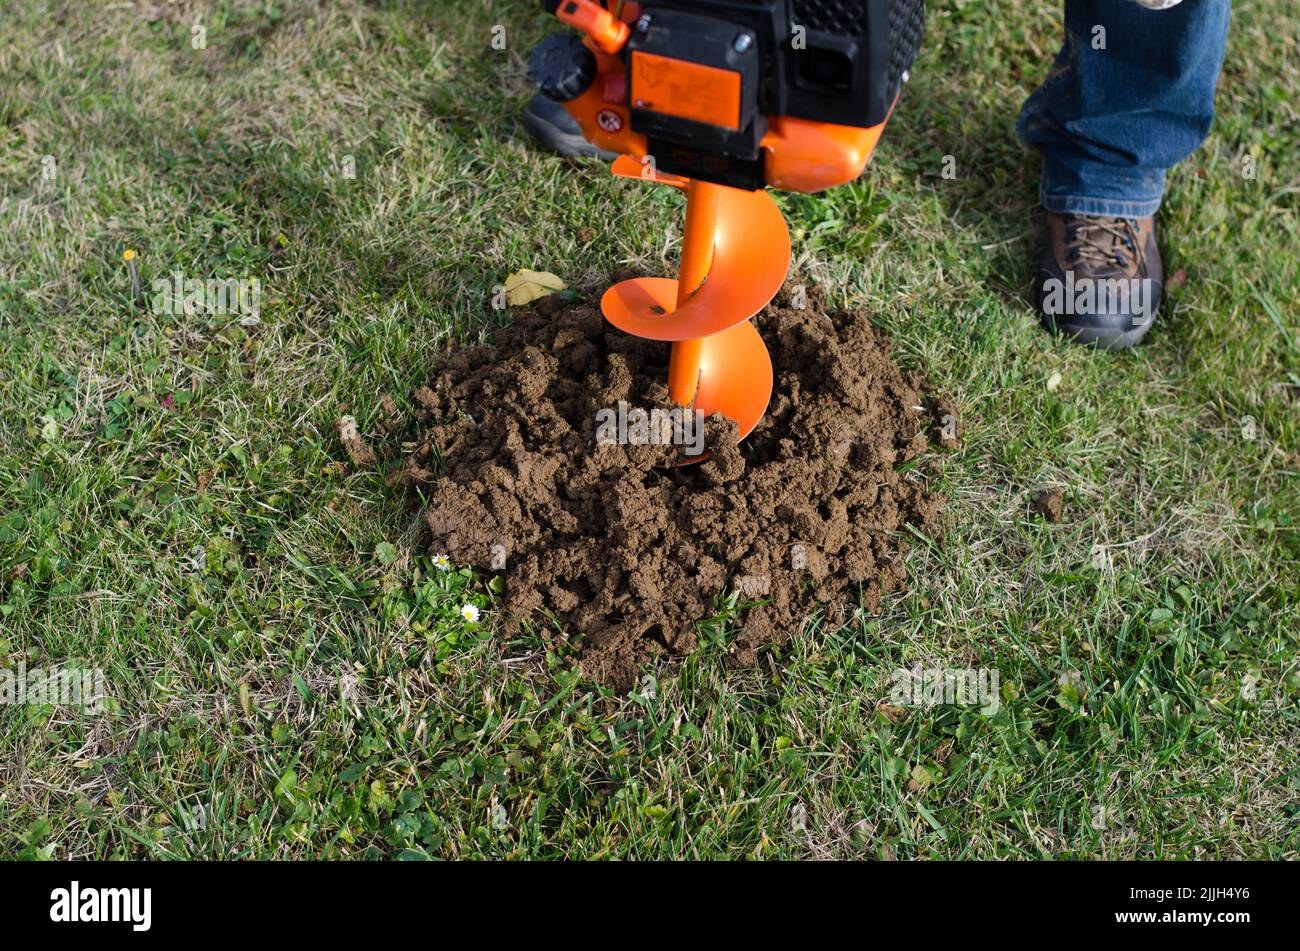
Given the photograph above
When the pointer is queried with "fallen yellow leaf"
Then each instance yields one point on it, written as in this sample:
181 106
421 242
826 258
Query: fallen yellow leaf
524 287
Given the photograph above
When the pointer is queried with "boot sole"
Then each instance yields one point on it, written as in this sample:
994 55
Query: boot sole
567 144
1101 338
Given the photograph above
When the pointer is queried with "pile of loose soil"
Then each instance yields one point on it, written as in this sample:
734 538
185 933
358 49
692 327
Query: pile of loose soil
627 555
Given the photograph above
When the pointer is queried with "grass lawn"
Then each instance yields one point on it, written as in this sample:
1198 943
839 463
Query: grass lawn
288 674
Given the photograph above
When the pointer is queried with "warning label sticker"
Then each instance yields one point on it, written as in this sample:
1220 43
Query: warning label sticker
686 90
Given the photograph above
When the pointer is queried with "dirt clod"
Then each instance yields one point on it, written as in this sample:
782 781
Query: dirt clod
390 420
358 449
628 557
1049 503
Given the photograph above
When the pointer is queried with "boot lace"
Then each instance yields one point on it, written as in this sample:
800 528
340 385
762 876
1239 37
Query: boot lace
1098 242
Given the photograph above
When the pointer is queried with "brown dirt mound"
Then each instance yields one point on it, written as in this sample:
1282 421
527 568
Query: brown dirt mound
630 556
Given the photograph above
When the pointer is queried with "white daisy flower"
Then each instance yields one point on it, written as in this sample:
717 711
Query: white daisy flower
442 562
470 613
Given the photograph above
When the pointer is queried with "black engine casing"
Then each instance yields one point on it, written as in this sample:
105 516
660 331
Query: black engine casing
854 57
836 61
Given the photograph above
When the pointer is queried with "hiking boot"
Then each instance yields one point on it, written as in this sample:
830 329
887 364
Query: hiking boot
551 125
1100 279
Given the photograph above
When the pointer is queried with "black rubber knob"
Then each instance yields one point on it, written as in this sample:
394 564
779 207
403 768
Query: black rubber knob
562 67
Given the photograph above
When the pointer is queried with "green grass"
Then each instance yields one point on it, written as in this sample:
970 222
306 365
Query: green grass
285 684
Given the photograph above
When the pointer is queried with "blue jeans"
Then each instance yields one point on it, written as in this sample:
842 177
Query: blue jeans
1109 122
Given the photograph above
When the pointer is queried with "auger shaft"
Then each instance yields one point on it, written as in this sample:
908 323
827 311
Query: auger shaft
702 202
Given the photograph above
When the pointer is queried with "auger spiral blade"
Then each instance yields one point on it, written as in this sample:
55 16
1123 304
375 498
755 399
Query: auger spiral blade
735 256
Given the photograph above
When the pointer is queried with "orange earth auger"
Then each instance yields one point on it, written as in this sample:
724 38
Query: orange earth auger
720 99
